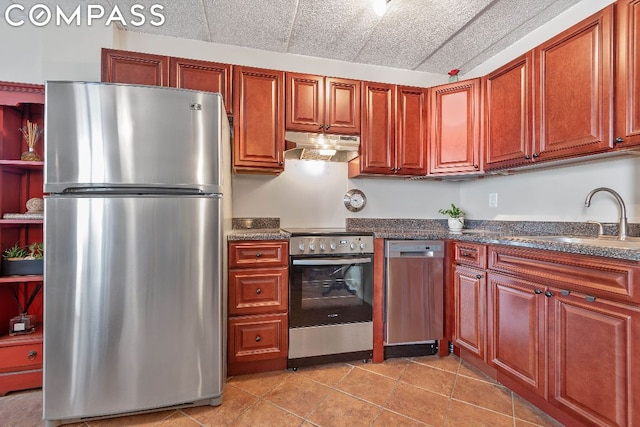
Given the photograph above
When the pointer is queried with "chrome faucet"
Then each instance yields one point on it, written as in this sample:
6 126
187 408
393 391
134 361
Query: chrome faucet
622 224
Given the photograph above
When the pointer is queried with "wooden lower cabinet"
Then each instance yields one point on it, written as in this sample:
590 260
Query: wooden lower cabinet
258 327
576 352
20 362
469 295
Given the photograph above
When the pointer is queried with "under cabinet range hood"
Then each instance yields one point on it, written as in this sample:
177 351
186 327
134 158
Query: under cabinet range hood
319 146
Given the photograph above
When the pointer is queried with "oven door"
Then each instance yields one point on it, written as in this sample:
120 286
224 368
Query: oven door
327 290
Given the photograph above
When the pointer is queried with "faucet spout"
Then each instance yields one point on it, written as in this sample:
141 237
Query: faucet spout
622 223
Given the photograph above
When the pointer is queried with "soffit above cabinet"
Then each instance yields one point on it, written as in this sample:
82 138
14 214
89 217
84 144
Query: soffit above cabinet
422 35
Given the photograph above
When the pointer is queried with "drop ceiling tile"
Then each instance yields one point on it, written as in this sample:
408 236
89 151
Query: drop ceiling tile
554 9
335 29
250 23
412 29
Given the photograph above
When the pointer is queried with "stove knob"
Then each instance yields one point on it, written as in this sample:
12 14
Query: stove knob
301 246
363 245
352 245
322 246
312 246
333 245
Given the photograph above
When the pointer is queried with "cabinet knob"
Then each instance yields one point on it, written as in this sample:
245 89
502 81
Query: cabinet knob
258 339
258 254
527 157
538 291
280 163
327 127
536 155
398 169
618 140
393 169
258 291
548 294
32 355
478 276
321 127
465 254
476 166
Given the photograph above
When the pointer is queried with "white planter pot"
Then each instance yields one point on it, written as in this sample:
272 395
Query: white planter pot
455 224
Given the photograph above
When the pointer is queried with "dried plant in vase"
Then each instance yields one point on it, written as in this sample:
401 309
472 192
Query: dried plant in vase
31 134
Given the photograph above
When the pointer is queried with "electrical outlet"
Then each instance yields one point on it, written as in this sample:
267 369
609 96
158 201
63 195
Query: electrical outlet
493 200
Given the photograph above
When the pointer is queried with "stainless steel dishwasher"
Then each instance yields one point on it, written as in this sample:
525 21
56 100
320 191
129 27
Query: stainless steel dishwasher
414 297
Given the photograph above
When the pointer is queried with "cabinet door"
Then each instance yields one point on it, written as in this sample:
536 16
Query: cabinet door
594 372
517 331
509 114
454 147
411 131
202 75
469 296
258 291
377 149
342 106
627 108
574 94
305 102
258 96
119 66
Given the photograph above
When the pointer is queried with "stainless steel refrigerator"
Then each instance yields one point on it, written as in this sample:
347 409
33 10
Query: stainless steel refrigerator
137 209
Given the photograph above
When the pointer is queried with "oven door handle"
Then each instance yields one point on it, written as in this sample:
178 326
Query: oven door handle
331 261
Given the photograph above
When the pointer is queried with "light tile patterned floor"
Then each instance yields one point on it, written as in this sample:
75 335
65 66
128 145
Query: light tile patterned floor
399 392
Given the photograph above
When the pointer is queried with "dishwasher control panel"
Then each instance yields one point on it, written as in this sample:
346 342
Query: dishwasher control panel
414 249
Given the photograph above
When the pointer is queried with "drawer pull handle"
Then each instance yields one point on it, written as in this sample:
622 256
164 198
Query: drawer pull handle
258 291
258 254
590 298
564 292
548 294
466 254
258 339
32 355
538 291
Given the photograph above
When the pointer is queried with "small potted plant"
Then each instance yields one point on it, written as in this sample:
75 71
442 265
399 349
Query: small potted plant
456 217
23 261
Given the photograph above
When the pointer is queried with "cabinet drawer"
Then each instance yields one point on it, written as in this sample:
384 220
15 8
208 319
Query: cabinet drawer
258 254
595 276
20 357
258 291
471 254
253 338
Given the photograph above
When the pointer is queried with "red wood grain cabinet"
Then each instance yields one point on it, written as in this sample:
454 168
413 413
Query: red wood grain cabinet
508 111
469 296
574 89
627 80
394 131
258 141
258 306
119 66
455 138
322 104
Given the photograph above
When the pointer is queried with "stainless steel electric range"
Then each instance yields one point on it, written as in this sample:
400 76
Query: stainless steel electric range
330 296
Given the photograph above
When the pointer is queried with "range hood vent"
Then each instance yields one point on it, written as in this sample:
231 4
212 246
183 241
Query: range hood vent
318 146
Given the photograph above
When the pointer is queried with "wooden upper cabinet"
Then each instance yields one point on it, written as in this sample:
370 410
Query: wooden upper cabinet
322 104
508 109
119 66
202 75
377 142
454 147
411 130
574 89
627 109
258 105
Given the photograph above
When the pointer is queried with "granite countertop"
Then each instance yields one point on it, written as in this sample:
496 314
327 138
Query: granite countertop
511 233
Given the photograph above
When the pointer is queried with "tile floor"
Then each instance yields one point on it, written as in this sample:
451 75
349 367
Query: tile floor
417 391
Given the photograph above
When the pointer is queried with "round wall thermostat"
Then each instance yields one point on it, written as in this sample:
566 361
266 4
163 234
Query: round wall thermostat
355 200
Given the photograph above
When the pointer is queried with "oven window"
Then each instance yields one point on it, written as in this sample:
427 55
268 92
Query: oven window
333 291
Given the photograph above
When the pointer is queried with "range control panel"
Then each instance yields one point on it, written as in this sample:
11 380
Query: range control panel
318 245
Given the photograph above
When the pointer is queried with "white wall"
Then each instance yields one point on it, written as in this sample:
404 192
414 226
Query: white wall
558 194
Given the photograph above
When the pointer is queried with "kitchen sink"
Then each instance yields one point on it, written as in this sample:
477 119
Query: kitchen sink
602 241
